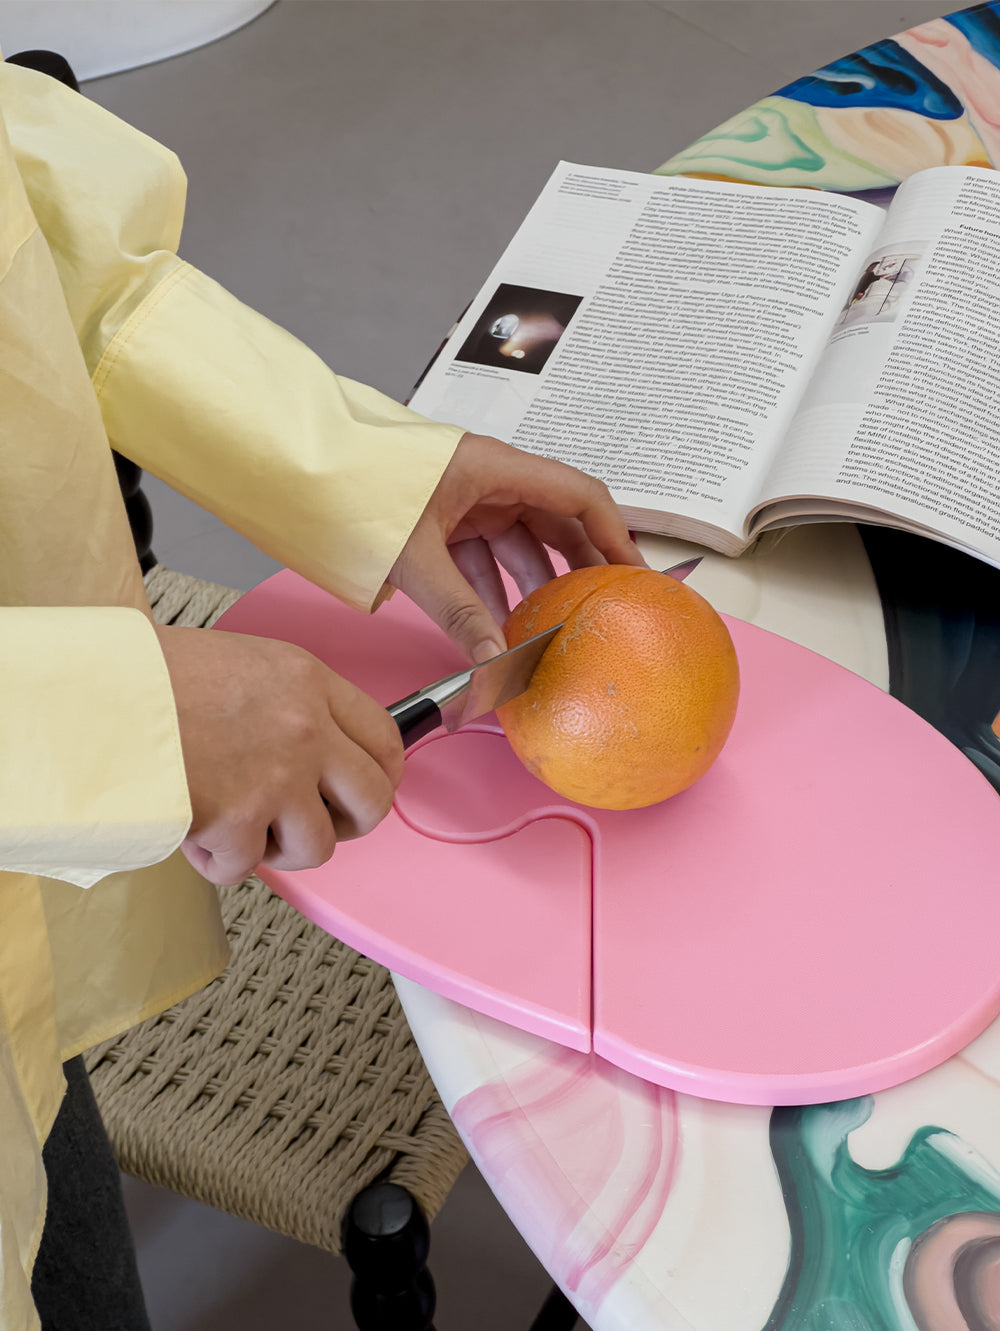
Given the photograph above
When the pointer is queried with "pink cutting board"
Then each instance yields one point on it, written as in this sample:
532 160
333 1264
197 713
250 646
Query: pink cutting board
819 917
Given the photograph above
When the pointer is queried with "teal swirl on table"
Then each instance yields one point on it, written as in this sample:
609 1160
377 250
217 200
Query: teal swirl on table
914 1246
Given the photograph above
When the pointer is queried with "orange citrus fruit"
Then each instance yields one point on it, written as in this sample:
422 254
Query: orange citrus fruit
634 698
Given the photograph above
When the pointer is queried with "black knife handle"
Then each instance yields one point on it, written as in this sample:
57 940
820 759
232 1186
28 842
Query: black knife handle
415 719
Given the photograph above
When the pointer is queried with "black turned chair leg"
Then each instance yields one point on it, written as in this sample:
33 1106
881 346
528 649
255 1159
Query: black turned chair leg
386 1242
557 1313
140 515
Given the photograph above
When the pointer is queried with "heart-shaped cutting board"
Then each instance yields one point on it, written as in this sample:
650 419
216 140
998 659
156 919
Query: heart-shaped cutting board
817 918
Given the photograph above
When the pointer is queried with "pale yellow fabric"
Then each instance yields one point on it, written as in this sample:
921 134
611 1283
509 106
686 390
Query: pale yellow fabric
106 334
153 332
159 409
123 819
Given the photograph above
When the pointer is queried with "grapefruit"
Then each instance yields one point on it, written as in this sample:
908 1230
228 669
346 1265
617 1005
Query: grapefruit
634 698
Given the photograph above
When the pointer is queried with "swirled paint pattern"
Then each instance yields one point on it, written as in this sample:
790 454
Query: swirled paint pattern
883 75
599 1126
928 97
881 1248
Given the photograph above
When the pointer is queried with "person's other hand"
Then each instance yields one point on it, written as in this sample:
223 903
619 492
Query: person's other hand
283 757
497 506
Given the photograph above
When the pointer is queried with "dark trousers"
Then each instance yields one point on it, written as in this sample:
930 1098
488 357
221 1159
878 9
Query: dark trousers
85 1278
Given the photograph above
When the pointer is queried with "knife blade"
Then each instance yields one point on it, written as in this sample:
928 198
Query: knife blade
468 694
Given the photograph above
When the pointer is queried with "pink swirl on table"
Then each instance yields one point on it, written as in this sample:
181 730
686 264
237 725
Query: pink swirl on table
898 142
951 1280
584 1156
948 54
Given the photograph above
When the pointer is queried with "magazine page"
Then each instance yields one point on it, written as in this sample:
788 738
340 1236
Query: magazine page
656 332
903 415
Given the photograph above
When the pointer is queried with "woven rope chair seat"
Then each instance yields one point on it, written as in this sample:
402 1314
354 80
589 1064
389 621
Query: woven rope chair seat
289 1083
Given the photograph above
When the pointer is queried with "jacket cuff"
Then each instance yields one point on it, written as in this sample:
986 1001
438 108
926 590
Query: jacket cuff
93 778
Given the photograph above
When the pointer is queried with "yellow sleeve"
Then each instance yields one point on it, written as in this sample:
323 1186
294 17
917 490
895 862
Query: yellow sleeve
92 779
323 474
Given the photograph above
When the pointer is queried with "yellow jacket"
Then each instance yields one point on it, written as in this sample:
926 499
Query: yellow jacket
107 337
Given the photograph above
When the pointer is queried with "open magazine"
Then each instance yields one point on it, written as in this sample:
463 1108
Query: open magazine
733 358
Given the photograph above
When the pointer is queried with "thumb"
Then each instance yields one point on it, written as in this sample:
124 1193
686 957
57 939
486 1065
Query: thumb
437 586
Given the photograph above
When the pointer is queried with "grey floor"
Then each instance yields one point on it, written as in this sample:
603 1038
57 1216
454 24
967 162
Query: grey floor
355 168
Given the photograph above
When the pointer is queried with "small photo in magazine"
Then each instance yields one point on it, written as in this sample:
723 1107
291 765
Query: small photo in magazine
879 290
519 328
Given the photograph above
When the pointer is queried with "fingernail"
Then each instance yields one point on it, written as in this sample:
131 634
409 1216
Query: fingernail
487 648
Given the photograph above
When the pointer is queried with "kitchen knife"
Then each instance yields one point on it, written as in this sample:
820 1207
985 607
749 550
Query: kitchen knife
460 698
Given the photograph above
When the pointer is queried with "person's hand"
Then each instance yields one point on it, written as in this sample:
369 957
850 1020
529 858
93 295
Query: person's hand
283 757
497 506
